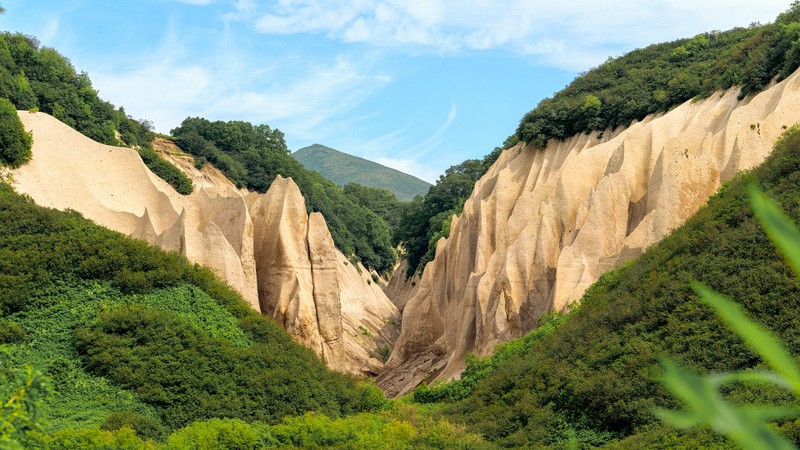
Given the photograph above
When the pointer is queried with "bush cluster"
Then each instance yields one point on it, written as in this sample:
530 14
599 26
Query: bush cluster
15 142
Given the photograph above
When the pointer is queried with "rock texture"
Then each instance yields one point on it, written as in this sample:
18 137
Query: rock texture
401 288
542 225
266 246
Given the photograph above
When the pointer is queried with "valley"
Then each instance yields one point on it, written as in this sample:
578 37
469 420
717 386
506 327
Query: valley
204 289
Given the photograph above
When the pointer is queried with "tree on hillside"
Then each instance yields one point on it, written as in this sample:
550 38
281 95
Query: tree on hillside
15 142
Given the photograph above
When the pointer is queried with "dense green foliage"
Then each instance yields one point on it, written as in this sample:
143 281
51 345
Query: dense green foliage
254 155
342 169
594 378
658 77
704 397
15 143
400 427
35 77
39 78
166 171
188 375
380 201
22 391
121 327
425 220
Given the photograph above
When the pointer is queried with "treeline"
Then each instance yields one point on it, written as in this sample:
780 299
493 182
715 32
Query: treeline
253 155
38 78
425 220
658 77
593 379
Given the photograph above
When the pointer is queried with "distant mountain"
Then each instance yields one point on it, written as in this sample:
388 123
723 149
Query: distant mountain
342 168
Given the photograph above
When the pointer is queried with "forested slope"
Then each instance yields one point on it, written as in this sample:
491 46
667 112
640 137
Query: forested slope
123 327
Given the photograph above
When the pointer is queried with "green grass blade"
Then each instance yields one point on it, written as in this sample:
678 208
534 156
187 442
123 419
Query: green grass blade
749 376
678 419
767 413
780 229
705 405
757 338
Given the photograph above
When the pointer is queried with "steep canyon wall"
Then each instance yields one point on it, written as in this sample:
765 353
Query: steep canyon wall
543 224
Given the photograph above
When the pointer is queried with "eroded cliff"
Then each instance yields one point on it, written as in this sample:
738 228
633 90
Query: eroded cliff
543 224
266 246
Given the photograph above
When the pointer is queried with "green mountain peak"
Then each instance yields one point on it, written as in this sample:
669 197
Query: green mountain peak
342 168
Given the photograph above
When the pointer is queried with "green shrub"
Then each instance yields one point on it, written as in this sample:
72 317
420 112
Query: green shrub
221 434
11 332
15 142
88 439
145 427
22 392
166 171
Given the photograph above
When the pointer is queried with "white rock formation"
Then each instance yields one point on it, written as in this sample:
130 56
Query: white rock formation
543 224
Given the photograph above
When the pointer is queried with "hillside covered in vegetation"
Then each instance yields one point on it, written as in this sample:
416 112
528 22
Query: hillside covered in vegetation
252 156
342 169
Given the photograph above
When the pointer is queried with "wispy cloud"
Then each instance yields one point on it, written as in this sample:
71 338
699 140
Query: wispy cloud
571 34
391 144
297 94
423 148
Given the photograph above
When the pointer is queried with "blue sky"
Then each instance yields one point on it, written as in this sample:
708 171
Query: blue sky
415 85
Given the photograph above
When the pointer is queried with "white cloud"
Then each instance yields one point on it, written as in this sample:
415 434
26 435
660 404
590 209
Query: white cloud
569 34
425 147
